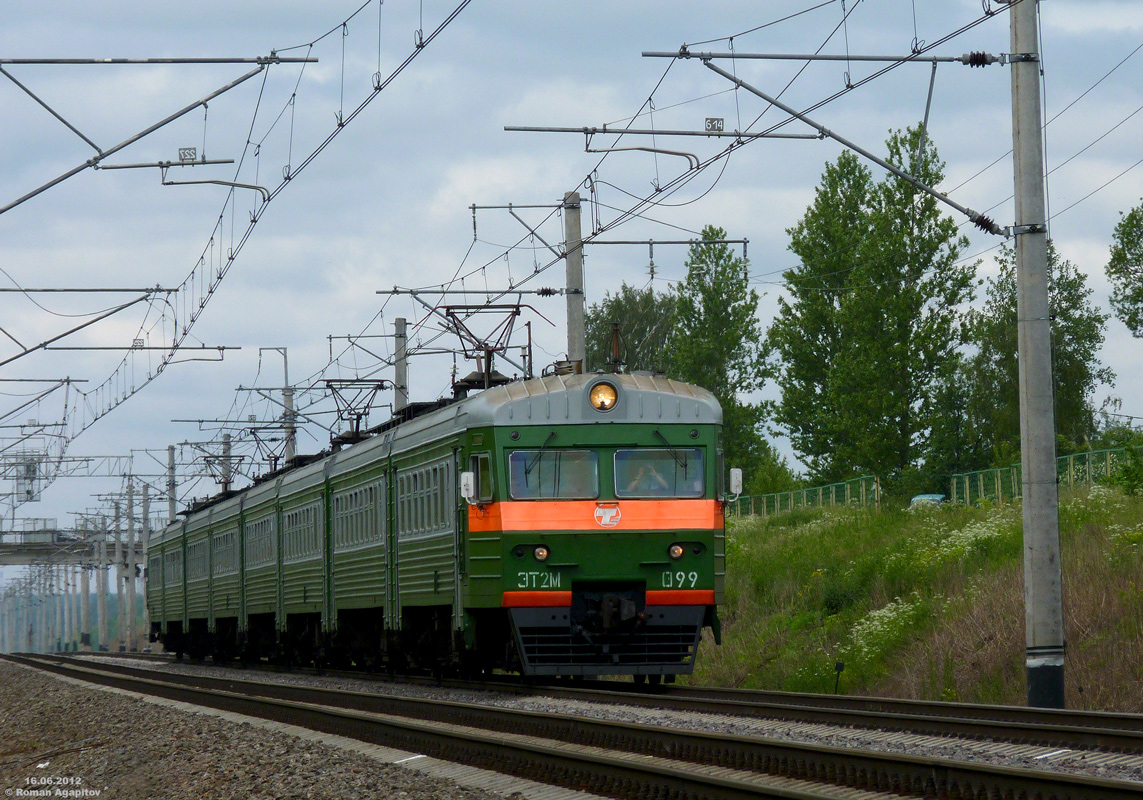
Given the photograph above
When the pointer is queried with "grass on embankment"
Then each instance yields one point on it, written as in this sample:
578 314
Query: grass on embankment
928 604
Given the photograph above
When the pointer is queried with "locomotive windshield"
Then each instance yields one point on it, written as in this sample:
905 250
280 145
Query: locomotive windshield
658 473
553 474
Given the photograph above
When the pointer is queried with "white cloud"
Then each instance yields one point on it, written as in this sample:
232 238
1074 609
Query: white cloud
1083 18
388 202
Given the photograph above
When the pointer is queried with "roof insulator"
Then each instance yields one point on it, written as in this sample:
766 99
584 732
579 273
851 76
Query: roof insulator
986 223
978 59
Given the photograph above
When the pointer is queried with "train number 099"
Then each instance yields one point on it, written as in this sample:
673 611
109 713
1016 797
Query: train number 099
680 580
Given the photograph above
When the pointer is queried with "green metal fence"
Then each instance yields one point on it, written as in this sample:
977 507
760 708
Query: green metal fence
1003 484
864 491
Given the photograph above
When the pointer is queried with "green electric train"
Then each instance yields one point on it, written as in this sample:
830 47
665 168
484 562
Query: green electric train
563 525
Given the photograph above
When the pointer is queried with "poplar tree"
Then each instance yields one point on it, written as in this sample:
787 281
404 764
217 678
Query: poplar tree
646 321
872 323
902 316
806 335
993 371
717 344
705 331
1125 270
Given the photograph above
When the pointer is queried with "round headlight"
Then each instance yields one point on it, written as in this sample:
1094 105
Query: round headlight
676 551
541 553
603 397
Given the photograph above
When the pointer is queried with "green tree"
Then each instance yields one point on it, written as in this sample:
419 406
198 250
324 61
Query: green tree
806 336
717 344
871 329
960 431
1125 270
646 323
901 315
1077 334
719 338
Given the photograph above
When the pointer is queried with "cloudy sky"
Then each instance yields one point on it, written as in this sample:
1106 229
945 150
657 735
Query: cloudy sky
387 202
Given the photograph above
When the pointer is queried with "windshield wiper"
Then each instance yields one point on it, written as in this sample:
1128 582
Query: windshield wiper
528 468
679 460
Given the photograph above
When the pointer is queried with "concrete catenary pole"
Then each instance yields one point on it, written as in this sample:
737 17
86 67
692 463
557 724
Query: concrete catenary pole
24 620
39 616
73 603
30 618
1043 597
573 258
67 597
77 611
145 538
132 626
172 485
289 418
59 604
28 625
85 608
101 588
227 463
120 574
39 628
45 607
400 365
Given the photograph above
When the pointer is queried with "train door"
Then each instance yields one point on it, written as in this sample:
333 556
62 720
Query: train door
392 595
451 500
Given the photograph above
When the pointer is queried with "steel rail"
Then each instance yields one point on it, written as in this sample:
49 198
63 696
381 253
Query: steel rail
905 775
1065 718
1101 730
1112 732
603 773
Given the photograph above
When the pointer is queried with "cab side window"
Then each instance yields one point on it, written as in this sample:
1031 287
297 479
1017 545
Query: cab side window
481 467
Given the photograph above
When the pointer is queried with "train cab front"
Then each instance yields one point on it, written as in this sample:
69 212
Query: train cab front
605 628
595 501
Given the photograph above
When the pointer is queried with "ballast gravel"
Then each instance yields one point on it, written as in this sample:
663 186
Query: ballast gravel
1114 766
58 739
1092 764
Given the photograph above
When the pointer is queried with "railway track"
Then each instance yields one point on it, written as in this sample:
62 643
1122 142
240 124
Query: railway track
616 759
1088 730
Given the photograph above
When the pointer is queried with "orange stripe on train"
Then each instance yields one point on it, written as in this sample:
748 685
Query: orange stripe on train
663 597
680 597
536 599
592 515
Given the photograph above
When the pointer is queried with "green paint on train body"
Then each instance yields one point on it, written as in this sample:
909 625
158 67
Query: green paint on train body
503 561
379 529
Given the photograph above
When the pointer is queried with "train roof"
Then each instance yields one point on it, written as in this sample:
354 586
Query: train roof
564 400
550 400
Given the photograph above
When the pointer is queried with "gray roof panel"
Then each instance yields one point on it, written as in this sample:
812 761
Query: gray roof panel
563 400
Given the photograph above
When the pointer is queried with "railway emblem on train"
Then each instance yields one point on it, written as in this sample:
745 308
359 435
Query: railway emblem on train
607 516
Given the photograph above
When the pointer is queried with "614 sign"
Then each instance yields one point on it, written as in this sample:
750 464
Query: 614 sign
714 125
